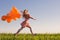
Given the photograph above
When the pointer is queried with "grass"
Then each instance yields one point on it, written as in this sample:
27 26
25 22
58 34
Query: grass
4 36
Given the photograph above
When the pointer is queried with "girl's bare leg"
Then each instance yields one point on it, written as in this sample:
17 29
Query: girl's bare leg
18 30
31 30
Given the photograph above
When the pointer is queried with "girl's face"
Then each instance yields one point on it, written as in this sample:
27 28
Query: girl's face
26 11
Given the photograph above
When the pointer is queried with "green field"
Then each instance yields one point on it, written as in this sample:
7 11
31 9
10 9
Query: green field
30 37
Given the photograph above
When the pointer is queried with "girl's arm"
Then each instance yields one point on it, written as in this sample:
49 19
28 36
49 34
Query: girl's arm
21 11
32 17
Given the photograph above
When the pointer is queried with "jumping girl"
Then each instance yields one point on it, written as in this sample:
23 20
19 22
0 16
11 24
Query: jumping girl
25 23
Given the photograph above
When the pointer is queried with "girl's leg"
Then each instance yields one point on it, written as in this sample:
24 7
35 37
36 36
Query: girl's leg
18 30
30 30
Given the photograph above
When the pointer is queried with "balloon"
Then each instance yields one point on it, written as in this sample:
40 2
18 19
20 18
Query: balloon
4 18
12 15
8 19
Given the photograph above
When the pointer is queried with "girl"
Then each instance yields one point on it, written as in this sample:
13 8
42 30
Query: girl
25 23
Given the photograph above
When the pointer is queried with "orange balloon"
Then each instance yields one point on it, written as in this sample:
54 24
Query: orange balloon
12 15
8 19
3 18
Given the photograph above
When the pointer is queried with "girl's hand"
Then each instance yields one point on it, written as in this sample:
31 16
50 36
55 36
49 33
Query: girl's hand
34 19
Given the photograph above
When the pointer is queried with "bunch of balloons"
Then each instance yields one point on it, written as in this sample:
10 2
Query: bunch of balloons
12 15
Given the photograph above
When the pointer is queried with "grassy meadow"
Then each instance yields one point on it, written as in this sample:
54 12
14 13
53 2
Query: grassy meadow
4 36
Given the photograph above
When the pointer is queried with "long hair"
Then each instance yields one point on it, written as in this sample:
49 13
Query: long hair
25 15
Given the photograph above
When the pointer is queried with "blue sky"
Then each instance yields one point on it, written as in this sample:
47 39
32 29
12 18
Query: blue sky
47 13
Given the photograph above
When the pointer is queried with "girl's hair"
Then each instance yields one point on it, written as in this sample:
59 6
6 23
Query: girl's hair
24 15
25 10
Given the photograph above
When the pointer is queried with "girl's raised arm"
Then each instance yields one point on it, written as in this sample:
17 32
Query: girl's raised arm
32 17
